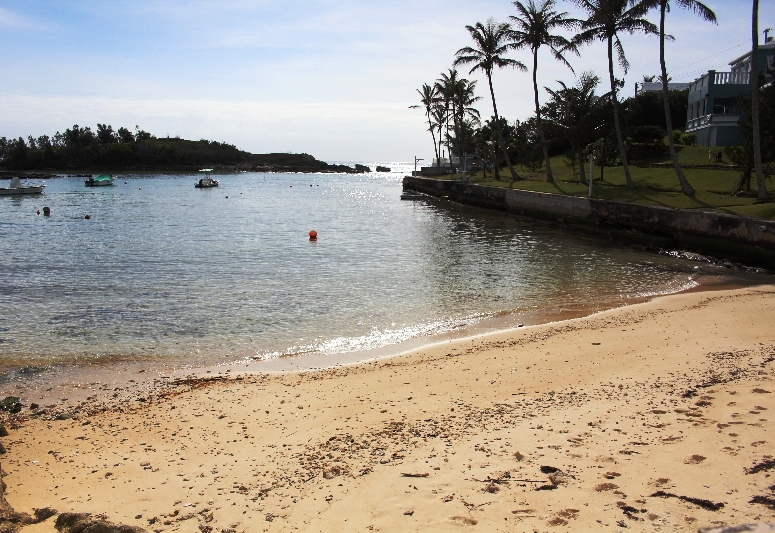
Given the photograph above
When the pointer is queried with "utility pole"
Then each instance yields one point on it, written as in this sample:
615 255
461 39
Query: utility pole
416 159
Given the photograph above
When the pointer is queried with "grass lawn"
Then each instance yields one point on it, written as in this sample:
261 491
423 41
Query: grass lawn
653 186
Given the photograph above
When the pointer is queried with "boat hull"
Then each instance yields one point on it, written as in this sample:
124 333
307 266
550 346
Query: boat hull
38 189
98 183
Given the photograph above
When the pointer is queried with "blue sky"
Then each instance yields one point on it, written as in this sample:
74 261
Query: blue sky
333 78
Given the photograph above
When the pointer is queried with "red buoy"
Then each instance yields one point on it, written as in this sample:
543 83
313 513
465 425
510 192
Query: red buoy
313 235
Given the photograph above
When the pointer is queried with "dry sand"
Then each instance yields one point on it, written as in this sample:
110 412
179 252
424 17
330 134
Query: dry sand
572 426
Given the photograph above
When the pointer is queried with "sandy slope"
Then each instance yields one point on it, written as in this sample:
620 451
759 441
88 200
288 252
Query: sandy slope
675 395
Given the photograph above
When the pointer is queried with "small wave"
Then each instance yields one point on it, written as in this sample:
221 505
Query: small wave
377 338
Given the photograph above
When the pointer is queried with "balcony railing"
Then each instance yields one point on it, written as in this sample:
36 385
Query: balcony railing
732 78
717 119
720 78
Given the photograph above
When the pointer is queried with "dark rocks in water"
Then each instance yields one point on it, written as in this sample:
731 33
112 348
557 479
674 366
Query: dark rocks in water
382 169
44 514
11 403
362 168
3 431
83 523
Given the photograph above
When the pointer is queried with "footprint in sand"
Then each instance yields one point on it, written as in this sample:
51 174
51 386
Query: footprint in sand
467 520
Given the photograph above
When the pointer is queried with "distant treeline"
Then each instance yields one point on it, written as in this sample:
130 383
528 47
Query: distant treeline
106 148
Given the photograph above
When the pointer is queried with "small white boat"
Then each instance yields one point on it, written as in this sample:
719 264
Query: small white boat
16 187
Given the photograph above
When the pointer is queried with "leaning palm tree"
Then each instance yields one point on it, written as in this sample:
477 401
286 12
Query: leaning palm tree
757 144
491 44
664 7
608 18
533 29
429 97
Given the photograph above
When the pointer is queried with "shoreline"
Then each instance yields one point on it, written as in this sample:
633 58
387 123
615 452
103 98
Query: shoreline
77 382
576 425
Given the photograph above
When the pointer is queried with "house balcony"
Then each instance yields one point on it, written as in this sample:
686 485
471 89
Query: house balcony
720 78
712 120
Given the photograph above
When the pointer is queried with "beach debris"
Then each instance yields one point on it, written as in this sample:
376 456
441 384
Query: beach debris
11 404
2 449
602 487
84 523
705 504
694 459
764 500
410 512
630 511
743 528
518 456
549 469
3 431
762 466
410 474
760 391
611 475
448 498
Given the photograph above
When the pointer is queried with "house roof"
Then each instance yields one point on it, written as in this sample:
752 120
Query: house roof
768 46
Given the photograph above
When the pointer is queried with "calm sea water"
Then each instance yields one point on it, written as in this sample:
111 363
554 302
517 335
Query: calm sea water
164 271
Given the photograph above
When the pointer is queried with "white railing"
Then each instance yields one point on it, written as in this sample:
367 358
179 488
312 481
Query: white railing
711 119
721 78
732 78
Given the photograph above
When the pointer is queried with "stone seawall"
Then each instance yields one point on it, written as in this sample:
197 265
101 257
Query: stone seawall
733 237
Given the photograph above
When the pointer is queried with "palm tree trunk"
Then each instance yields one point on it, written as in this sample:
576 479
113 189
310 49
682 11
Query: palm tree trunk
615 103
582 175
549 176
687 189
430 128
757 146
514 175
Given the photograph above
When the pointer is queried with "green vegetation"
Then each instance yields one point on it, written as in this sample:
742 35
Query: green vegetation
81 148
576 121
715 189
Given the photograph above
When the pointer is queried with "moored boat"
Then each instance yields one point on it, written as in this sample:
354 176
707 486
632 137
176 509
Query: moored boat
16 187
207 181
99 181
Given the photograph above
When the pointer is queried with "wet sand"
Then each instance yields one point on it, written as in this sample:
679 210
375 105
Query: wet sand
650 417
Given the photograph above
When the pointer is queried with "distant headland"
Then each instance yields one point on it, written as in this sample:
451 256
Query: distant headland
82 148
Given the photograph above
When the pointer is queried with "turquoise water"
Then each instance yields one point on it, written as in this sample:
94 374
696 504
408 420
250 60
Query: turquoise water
166 272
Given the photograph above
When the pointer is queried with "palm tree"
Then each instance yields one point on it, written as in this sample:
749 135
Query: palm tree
608 18
429 97
707 14
446 86
575 111
757 144
533 29
491 45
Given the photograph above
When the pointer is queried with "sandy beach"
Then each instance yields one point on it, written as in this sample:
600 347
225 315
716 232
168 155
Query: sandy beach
652 417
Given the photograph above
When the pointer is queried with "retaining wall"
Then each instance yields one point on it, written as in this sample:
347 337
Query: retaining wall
733 237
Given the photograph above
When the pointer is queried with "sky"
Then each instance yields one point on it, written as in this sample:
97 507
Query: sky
331 78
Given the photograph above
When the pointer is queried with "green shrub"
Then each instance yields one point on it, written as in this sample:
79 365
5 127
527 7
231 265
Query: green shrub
688 139
648 135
